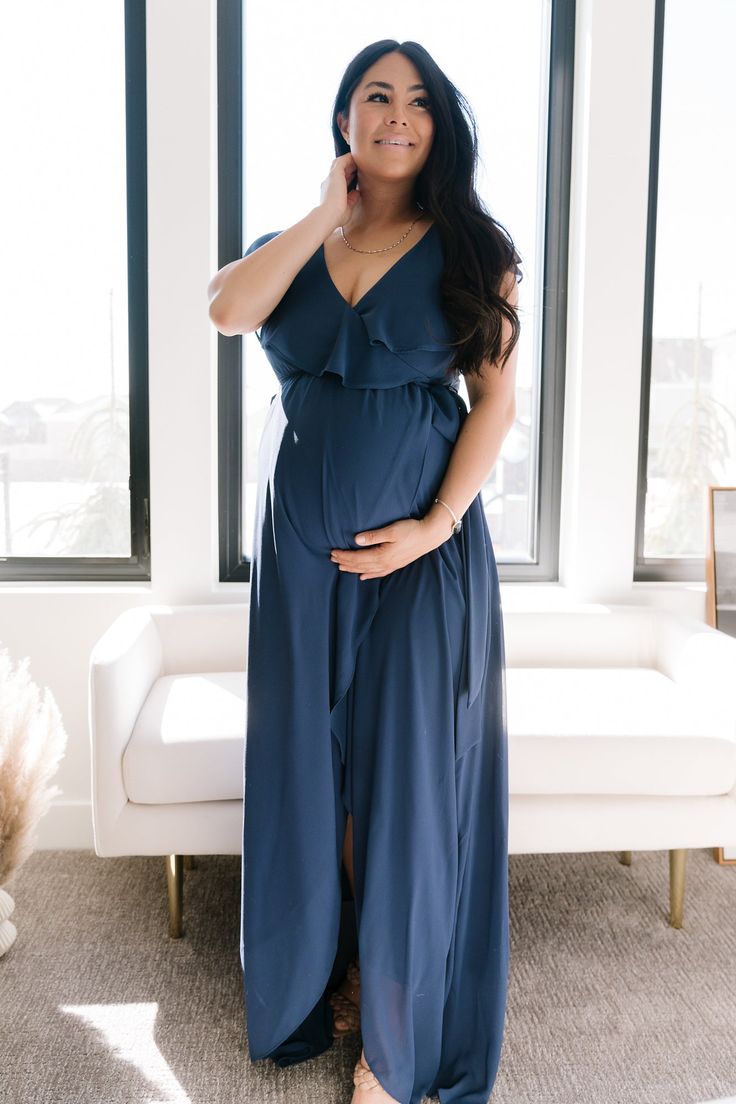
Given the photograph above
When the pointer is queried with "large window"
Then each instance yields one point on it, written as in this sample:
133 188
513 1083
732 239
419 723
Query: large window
689 371
73 482
522 104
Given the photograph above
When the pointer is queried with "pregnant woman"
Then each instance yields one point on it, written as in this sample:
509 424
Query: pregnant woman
376 747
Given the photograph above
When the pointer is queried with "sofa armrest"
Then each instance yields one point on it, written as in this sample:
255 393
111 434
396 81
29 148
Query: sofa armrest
124 664
205 637
701 660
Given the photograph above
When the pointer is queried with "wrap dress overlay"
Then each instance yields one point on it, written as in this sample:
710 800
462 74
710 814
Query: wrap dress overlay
384 698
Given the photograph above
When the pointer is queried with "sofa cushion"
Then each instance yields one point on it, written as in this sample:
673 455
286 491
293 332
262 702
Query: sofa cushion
188 740
613 730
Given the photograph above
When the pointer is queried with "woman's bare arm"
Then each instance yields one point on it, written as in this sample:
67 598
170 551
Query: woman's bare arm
492 413
243 293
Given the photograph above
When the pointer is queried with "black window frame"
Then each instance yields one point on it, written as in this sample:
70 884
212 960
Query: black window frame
137 566
235 567
671 569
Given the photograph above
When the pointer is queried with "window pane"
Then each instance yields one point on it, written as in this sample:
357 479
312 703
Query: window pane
64 454
692 417
294 117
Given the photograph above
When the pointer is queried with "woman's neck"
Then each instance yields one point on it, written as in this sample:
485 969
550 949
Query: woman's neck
384 210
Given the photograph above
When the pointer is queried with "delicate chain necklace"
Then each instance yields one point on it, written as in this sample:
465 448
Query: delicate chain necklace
385 247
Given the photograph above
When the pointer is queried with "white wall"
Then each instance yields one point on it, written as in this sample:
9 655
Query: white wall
57 624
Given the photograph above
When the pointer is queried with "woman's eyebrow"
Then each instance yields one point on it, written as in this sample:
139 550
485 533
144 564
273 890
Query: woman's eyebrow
385 84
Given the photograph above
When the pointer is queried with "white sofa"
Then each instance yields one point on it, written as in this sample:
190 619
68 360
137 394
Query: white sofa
621 721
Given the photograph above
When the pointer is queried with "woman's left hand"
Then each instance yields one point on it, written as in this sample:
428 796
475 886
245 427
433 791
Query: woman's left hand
393 546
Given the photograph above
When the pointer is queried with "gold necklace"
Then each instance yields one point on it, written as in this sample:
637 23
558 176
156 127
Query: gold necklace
385 247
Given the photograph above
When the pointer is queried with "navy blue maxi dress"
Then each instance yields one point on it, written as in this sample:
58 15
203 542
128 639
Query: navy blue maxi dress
383 698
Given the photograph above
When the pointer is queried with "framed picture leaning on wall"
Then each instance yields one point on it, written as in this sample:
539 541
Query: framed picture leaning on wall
720 576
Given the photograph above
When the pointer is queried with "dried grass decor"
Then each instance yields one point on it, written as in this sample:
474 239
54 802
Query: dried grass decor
32 744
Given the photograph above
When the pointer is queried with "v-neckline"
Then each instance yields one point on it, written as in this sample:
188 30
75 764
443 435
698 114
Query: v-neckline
372 288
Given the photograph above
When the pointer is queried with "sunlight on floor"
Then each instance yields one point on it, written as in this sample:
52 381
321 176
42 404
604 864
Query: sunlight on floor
128 1032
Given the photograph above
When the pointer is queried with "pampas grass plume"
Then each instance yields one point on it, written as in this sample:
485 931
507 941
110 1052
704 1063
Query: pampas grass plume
32 743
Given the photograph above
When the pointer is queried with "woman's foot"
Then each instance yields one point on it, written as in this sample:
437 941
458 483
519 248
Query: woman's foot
345 1002
368 1089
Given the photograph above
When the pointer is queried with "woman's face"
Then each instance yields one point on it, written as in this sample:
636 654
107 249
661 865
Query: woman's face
387 104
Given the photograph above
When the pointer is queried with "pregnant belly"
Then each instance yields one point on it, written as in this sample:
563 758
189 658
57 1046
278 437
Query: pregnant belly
347 459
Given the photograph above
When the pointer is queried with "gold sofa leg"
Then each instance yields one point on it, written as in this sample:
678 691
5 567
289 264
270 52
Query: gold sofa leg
175 885
678 859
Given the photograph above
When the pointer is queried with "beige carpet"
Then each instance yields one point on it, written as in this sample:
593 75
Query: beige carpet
607 1003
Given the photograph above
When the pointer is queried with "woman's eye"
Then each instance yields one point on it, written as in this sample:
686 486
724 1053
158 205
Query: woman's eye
417 99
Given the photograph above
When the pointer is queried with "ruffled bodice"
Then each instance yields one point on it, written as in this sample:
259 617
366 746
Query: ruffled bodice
393 335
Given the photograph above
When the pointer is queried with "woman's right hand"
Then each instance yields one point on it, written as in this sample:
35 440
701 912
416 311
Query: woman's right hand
335 196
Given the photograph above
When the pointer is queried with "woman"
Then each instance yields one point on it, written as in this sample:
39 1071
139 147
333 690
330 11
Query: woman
376 732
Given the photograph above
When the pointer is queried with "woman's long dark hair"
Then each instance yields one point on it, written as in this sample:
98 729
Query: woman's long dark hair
479 252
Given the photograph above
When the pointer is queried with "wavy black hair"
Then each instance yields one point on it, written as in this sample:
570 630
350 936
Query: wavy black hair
479 253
